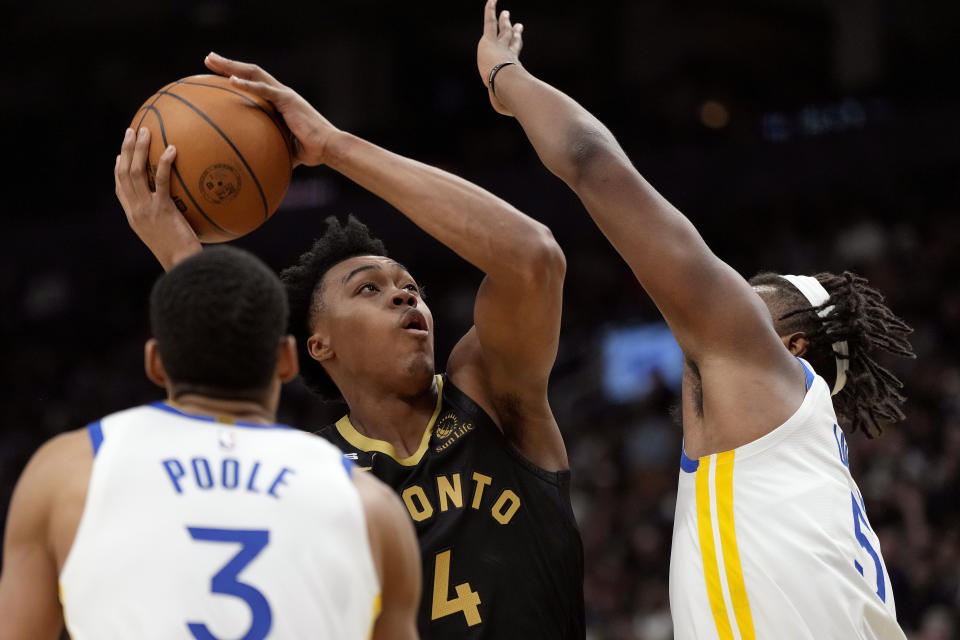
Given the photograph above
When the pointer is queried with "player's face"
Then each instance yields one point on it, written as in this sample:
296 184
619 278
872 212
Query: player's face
377 323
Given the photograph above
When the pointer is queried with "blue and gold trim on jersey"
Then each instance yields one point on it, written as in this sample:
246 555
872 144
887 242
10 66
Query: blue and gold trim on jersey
717 537
172 407
365 443
95 430
716 528
377 607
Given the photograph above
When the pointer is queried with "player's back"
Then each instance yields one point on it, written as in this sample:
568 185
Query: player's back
771 540
194 528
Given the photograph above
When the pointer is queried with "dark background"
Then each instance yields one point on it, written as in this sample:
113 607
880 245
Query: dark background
839 151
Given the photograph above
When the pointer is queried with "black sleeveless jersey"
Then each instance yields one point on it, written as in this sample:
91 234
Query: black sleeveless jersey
502 556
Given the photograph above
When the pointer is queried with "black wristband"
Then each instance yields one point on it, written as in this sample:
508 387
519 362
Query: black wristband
493 74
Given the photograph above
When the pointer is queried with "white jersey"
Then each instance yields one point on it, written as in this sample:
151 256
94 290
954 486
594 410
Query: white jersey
771 540
194 528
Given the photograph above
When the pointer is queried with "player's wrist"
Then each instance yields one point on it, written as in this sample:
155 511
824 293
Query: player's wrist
495 72
321 145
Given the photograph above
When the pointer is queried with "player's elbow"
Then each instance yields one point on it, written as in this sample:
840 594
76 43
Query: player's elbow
589 150
543 260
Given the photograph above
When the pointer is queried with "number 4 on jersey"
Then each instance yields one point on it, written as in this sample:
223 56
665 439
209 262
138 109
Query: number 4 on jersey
467 600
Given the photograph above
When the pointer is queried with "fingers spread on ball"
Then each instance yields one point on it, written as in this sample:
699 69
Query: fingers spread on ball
163 171
138 166
272 93
243 70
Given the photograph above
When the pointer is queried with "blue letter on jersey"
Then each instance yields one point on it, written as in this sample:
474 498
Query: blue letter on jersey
175 471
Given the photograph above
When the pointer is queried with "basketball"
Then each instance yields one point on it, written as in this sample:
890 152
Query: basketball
234 154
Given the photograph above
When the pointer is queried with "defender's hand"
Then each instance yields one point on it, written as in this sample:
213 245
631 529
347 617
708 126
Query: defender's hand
310 129
152 214
501 42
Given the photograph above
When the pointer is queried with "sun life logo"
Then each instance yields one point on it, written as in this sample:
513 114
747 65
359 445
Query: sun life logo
446 426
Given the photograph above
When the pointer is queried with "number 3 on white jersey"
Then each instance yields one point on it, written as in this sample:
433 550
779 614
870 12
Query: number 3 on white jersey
252 542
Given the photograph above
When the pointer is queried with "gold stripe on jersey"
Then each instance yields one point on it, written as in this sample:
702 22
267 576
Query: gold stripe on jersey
728 543
364 443
711 572
377 606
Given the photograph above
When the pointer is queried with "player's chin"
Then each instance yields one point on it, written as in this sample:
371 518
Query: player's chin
419 369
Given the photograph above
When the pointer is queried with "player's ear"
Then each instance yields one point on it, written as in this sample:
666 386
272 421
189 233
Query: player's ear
318 346
287 364
153 365
796 343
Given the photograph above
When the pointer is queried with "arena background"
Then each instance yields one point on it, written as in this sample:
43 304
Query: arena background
798 135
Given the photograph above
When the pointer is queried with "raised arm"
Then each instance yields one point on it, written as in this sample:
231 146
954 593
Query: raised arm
503 362
393 543
708 306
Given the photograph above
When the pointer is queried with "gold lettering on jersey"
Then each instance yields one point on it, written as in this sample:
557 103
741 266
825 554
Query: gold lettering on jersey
481 481
448 430
450 495
445 490
421 512
502 515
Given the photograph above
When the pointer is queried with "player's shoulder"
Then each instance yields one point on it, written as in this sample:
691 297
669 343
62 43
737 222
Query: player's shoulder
62 447
57 461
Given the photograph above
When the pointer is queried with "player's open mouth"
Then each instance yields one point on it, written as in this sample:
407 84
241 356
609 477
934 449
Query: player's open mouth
414 322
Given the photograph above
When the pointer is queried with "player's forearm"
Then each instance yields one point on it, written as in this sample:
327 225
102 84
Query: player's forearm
567 137
582 152
482 228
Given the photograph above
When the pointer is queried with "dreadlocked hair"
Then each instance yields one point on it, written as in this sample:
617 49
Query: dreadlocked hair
303 284
859 315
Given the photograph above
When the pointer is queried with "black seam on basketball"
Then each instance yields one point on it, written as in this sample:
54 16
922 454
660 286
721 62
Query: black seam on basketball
176 172
263 196
275 118
146 110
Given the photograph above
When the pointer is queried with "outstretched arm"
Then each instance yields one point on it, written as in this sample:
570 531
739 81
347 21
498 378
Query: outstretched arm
708 306
505 360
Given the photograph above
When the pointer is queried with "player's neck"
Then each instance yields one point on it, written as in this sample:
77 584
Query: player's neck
222 408
392 418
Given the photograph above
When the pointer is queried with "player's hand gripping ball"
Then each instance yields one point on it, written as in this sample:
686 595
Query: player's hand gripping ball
234 154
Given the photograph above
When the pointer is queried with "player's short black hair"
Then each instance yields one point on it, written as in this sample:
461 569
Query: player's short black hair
871 397
219 318
302 281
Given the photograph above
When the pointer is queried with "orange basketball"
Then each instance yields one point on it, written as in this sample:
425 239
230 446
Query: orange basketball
234 154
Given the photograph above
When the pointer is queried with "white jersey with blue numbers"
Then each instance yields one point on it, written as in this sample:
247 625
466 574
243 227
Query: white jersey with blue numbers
771 540
194 528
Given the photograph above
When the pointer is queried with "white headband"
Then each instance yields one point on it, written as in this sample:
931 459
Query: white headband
816 295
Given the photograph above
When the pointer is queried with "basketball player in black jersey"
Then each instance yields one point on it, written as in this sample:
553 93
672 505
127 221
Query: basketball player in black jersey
475 453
